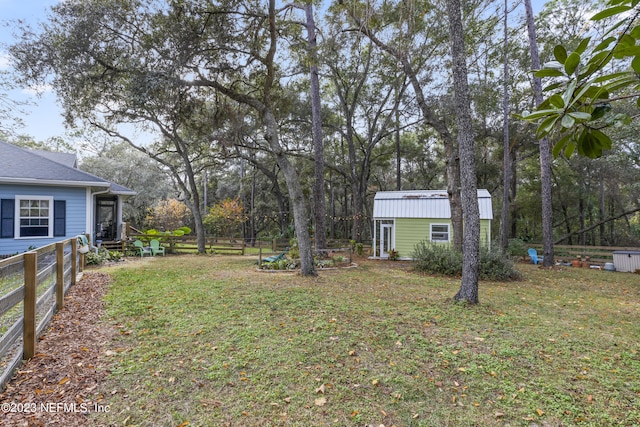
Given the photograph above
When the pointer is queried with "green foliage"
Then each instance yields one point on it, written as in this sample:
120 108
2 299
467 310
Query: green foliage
437 258
168 214
225 218
153 233
517 248
294 250
496 265
578 106
103 255
443 259
357 247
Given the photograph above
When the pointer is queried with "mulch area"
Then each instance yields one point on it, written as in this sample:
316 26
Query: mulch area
58 386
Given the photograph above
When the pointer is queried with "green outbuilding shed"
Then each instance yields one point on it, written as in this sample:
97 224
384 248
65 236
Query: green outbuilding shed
401 219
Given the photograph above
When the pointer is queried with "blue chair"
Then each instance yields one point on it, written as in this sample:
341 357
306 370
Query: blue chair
533 254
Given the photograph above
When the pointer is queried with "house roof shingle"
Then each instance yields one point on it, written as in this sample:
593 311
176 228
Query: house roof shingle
21 166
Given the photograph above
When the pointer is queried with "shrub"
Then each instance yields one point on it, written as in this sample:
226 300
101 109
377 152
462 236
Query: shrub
102 256
437 258
443 259
517 248
497 265
357 247
294 251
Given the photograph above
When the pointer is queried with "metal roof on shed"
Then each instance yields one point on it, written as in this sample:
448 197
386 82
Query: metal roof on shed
423 204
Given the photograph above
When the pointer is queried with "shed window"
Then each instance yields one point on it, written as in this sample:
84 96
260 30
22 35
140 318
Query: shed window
34 216
439 232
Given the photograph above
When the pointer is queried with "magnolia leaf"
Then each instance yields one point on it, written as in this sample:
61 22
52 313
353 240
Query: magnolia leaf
635 64
542 113
545 104
552 86
554 65
584 89
583 45
595 92
610 12
546 72
592 142
560 53
568 94
602 139
556 101
567 121
580 116
571 147
572 63
560 145
604 44
600 111
546 126
611 76
600 59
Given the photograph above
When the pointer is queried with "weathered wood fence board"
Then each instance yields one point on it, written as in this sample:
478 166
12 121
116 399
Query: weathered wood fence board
39 280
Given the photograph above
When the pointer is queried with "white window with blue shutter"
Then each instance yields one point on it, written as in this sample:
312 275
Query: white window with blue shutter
34 217
28 217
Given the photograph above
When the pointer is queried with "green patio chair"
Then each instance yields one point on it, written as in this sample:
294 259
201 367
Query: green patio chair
156 248
142 249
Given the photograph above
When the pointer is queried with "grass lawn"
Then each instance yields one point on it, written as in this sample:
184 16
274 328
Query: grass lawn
209 341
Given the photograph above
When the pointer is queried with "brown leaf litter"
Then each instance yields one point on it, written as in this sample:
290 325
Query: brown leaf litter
58 386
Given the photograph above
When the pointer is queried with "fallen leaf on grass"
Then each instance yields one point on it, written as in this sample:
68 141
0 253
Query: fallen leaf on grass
540 412
320 389
63 381
321 401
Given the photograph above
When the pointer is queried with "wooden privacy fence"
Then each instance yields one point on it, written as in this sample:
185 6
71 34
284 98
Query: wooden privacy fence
32 289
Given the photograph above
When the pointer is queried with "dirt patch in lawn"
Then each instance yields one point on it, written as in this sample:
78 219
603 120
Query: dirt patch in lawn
57 387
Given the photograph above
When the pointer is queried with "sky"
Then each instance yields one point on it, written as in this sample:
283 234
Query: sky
43 119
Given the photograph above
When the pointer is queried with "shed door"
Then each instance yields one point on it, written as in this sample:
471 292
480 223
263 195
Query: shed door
386 239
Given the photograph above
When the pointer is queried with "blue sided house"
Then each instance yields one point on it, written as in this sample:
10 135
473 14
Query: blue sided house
45 198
